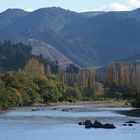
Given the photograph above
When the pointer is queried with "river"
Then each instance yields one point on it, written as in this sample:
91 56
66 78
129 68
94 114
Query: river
48 124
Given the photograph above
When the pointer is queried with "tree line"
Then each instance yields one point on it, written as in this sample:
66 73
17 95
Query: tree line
26 79
32 85
122 80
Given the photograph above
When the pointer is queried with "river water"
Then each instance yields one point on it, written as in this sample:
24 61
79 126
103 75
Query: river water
48 124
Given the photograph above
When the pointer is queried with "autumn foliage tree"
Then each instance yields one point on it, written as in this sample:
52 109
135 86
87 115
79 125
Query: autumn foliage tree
111 74
34 68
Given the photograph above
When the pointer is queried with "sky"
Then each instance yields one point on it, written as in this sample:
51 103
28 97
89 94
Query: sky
73 5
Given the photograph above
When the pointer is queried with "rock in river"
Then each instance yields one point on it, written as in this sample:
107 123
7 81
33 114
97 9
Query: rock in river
81 123
34 109
108 126
88 124
96 124
65 110
124 124
131 122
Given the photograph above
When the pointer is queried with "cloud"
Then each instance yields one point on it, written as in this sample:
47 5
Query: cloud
114 7
134 4
130 5
29 9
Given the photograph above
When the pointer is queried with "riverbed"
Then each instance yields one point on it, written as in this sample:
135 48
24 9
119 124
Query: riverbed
51 123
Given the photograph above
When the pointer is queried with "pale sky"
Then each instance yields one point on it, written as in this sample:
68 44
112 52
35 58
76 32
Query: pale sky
74 5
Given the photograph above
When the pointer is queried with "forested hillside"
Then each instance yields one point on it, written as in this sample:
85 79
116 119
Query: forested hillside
14 56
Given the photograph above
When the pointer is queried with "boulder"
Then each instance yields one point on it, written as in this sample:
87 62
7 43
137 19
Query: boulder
65 110
124 124
34 109
131 122
97 124
88 124
81 123
108 126
100 125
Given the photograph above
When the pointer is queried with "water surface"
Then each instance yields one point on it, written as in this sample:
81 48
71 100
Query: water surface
46 124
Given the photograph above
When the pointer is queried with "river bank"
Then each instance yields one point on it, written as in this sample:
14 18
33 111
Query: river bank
108 103
113 103
104 103
132 113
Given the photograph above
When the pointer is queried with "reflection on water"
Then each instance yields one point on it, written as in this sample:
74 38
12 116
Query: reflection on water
46 124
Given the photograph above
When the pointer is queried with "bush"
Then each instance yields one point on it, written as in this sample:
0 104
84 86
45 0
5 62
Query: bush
10 98
51 93
121 92
136 103
118 95
98 90
72 94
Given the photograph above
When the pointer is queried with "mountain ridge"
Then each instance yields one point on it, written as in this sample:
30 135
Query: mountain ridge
82 39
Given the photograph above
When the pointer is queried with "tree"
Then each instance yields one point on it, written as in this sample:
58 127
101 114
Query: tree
51 93
72 94
111 74
124 75
14 56
10 98
24 84
34 68
2 84
89 75
72 68
98 90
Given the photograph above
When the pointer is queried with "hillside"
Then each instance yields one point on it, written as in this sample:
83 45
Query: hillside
14 56
134 14
133 58
38 25
91 38
111 34
10 16
92 14
48 52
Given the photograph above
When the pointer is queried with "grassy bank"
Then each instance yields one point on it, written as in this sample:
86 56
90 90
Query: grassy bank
109 103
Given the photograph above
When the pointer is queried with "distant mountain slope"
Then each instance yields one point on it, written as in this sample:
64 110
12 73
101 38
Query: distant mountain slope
48 52
76 50
92 38
134 14
45 25
133 58
53 18
113 35
10 16
92 13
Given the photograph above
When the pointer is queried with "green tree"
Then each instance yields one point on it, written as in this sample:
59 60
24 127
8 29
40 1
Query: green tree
98 90
10 98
